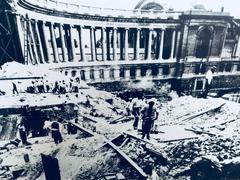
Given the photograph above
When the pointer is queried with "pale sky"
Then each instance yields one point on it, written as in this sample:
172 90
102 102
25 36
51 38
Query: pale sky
231 6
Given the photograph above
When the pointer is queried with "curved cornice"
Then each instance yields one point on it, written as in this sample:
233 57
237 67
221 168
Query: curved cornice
134 19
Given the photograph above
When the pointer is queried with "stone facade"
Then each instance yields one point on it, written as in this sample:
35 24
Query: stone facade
105 45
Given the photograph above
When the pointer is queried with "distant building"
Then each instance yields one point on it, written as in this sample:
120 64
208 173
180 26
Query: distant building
106 45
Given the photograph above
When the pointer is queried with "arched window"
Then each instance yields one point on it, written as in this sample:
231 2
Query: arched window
155 70
74 73
166 70
143 71
133 72
82 75
122 72
66 73
167 45
203 42
92 74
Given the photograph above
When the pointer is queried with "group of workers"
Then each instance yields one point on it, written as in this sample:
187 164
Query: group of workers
148 114
37 123
59 87
44 86
55 127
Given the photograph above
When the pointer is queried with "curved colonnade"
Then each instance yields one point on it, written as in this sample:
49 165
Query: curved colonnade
104 45
98 47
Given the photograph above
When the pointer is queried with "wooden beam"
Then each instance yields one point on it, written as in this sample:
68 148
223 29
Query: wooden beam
83 129
129 160
226 122
120 152
201 132
112 140
92 119
173 140
116 120
203 112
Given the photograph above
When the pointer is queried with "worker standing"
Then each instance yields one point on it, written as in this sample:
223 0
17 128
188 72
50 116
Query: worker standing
136 114
22 133
15 88
56 134
208 80
149 115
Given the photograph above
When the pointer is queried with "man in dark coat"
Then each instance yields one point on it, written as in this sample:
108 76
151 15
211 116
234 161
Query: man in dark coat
15 88
56 134
136 114
149 115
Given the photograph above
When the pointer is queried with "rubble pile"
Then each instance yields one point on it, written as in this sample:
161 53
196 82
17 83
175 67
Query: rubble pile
146 155
8 126
174 111
182 155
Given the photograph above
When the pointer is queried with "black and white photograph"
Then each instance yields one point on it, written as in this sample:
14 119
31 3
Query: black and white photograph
119 90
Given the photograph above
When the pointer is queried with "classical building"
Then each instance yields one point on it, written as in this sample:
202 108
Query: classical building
105 45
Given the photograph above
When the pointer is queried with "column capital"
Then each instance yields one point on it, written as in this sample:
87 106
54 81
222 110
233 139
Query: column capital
138 29
126 29
92 27
61 24
49 22
33 20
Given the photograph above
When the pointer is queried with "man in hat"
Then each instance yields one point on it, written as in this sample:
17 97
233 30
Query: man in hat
208 81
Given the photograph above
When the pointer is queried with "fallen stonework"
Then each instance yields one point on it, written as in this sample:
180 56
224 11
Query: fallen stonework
192 138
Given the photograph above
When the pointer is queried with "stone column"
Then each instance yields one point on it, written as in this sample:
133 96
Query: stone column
126 45
46 42
137 44
39 41
55 51
237 47
97 74
116 73
106 74
72 43
34 42
149 44
235 67
30 46
64 51
21 30
177 43
25 43
87 74
223 43
82 48
127 73
173 44
93 48
161 45
138 72
115 44
104 48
